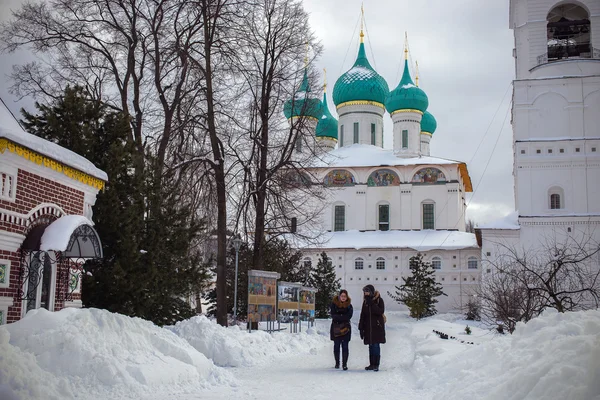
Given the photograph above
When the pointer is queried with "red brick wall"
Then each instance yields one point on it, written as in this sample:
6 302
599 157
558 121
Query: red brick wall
33 190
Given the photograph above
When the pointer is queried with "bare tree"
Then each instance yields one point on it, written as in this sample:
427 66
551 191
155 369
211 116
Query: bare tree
562 273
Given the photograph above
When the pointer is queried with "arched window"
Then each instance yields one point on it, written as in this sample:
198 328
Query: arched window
383 217
380 263
569 32
339 217
307 263
428 215
472 263
436 262
556 198
359 263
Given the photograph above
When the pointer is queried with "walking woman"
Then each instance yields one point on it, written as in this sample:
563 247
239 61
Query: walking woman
340 332
372 325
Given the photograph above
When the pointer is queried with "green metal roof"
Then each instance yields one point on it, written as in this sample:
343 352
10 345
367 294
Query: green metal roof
428 123
328 125
360 83
302 105
406 96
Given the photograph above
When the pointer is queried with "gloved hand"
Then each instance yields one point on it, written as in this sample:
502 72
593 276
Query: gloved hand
368 299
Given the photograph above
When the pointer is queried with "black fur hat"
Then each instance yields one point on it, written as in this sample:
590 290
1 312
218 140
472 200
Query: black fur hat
370 289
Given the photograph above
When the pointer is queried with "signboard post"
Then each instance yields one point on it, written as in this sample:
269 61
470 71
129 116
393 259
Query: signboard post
262 297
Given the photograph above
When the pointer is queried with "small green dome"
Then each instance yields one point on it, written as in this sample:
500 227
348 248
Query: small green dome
406 96
302 105
428 123
328 125
360 83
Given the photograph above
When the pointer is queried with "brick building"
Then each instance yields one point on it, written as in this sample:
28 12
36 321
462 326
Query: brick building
46 198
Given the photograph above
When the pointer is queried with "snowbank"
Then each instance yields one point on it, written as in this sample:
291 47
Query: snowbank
234 347
555 356
100 355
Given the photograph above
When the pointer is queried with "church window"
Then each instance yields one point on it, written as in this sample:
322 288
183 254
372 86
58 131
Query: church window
555 201
436 263
428 216
577 149
380 263
405 139
299 144
355 132
339 223
538 151
593 149
549 151
472 263
384 217
341 135
307 263
359 263
522 151
568 33
556 198
562 150
373 134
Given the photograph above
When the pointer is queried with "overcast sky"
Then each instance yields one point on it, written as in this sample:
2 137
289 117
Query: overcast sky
464 50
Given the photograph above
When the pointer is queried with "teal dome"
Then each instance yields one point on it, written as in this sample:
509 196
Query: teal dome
360 83
428 123
328 125
406 96
302 105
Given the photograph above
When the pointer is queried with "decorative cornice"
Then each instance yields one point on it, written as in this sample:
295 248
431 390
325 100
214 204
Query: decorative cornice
47 162
305 117
408 110
426 133
321 138
360 103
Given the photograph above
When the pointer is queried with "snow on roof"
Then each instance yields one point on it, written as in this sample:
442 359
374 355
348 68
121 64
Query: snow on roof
365 155
11 130
510 221
57 235
423 240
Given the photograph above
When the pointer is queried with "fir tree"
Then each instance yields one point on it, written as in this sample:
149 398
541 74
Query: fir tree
324 280
419 290
149 264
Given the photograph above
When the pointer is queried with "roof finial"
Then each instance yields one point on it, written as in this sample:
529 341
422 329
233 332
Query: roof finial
362 22
417 73
406 45
325 80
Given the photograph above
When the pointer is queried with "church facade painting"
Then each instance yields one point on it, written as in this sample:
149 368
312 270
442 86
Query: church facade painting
339 178
383 177
429 176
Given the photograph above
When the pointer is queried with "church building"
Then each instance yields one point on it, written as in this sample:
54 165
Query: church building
385 205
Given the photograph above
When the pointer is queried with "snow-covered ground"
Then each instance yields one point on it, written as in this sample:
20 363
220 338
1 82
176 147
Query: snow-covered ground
93 354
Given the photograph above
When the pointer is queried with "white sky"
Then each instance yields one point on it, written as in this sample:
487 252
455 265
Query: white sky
464 50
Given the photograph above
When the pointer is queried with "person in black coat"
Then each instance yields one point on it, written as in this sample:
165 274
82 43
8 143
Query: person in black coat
341 330
372 325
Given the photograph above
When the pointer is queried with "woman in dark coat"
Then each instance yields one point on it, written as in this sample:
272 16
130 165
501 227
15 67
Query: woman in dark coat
372 325
341 331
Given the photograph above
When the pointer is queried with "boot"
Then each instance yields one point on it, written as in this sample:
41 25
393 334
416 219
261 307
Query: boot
376 360
336 355
337 363
345 361
371 363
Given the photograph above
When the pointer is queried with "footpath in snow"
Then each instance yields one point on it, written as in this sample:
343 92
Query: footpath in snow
94 354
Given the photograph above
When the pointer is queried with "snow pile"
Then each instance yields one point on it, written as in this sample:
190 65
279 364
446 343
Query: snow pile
102 355
234 347
510 221
22 378
57 235
555 356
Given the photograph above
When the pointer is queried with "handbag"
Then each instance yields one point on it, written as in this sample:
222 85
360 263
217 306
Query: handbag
340 328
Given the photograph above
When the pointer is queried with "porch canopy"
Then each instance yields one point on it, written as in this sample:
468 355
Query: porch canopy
73 236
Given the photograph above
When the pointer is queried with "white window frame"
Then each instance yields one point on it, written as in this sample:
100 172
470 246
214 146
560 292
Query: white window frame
358 260
377 263
7 283
469 262
556 190
435 259
333 219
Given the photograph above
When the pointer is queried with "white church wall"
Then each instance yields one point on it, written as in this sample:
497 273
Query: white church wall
364 115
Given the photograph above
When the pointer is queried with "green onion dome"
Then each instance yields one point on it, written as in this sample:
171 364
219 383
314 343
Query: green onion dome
328 125
303 105
428 123
406 96
360 83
